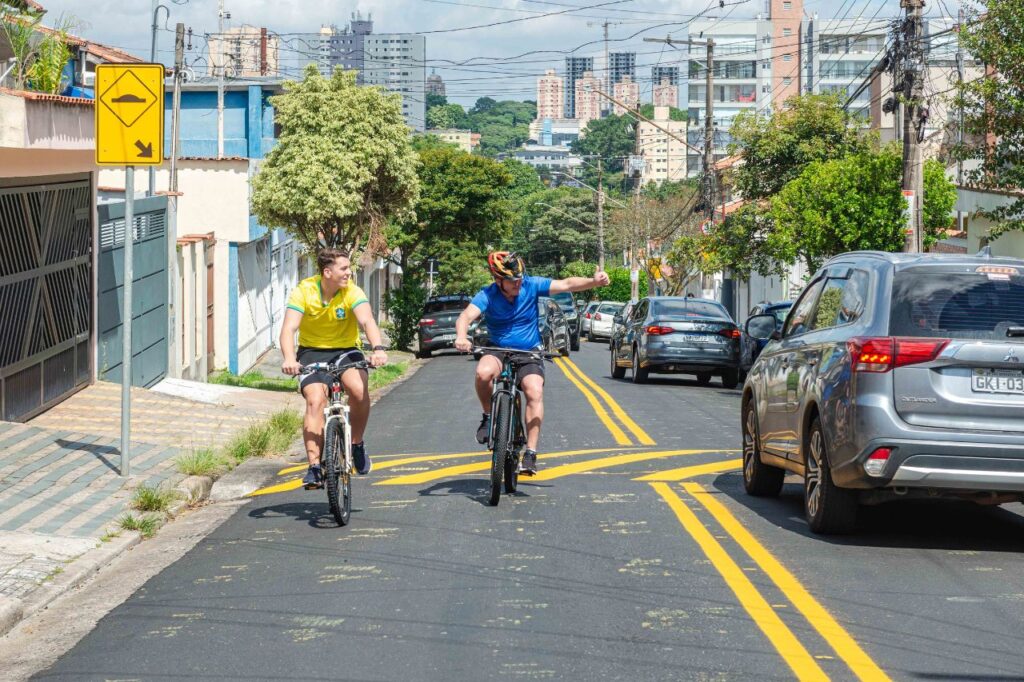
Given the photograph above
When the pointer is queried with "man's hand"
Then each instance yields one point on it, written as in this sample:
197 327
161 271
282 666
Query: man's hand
463 345
601 279
378 359
291 367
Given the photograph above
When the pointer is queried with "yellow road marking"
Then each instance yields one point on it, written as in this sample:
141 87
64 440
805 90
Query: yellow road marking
781 637
293 470
605 462
822 621
640 435
475 467
691 471
287 486
617 433
414 459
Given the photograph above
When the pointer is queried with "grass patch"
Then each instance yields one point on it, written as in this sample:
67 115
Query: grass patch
271 437
254 379
147 525
200 462
153 499
382 376
110 535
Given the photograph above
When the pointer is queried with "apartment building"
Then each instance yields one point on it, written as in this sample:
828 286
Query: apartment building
587 100
628 93
435 85
660 73
666 94
664 155
550 96
575 67
243 52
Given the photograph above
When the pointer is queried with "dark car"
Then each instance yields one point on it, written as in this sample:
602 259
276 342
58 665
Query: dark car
572 317
437 325
752 347
678 336
895 376
554 330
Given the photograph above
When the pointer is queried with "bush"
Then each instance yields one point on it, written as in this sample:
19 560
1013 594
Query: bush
147 525
405 307
619 288
153 499
201 462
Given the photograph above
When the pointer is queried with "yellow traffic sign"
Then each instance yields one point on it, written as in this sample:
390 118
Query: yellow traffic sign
129 114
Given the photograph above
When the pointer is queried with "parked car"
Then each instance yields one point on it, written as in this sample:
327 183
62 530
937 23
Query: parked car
437 325
604 319
752 347
618 322
554 330
585 317
572 317
678 336
894 376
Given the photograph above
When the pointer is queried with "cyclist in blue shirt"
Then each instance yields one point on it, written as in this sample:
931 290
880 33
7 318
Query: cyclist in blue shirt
510 307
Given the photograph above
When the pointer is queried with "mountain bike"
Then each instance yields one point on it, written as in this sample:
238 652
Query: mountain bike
336 454
507 437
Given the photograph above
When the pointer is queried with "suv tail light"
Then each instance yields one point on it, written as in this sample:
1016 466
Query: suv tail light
655 330
597 316
427 322
875 464
588 316
885 353
729 333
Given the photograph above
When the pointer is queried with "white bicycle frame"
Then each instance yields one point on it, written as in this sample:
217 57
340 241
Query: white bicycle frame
333 412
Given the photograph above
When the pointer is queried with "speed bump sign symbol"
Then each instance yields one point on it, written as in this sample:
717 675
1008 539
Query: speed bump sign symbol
129 114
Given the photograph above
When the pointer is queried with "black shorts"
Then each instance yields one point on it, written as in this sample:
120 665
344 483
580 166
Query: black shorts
308 356
525 368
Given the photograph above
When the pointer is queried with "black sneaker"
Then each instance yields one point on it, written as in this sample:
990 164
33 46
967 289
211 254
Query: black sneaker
484 430
313 479
361 459
528 466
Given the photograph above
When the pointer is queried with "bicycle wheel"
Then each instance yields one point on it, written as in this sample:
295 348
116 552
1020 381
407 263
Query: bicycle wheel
502 413
337 478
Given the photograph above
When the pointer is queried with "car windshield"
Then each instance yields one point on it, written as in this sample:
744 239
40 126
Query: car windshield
445 306
610 308
779 313
564 300
689 308
967 302
542 308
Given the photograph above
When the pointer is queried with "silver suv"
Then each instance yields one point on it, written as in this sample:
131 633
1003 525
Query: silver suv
894 376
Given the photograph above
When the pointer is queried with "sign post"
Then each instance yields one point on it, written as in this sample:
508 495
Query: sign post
129 133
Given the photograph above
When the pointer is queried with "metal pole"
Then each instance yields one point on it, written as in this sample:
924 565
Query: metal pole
913 90
126 321
152 59
220 82
709 131
607 64
960 117
179 64
600 216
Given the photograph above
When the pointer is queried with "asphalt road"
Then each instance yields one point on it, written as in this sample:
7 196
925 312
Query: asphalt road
586 574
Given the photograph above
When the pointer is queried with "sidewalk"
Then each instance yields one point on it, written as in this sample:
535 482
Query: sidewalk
60 488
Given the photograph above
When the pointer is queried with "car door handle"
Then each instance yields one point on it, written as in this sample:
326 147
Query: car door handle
812 363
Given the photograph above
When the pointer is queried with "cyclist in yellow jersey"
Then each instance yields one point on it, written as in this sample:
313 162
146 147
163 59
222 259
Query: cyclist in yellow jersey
326 311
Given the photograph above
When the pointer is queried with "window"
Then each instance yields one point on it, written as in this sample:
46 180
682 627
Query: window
787 5
787 32
787 81
842 301
798 320
787 57
688 308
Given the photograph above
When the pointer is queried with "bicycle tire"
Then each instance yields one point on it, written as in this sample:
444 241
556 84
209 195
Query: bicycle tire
501 412
337 481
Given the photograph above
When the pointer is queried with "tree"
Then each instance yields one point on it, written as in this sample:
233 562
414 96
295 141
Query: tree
446 116
851 204
555 227
39 55
343 166
994 108
619 288
435 100
647 110
525 180
612 138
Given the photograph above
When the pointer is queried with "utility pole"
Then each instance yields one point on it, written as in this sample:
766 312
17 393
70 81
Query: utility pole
914 116
179 66
175 313
220 80
600 216
960 116
152 60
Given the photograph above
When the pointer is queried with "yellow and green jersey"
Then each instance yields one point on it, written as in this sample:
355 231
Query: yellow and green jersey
327 324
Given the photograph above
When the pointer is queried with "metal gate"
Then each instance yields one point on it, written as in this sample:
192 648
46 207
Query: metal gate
255 315
45 295
150 325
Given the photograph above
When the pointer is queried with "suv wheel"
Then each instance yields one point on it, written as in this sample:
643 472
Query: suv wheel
639 373
617 372
828 509
759 479
704 378
575 342
423 354
730 378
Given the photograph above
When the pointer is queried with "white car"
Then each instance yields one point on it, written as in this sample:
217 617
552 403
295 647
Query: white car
588 313
602 320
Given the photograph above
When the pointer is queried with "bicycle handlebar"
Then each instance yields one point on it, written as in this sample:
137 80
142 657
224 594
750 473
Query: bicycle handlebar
517 351
332 368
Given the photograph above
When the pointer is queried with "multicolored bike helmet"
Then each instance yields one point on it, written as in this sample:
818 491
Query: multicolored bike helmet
506 265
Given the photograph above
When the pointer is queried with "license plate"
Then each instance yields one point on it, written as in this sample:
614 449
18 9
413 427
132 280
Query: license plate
1009 381
446 337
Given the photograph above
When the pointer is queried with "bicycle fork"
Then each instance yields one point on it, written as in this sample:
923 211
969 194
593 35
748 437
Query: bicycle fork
335 412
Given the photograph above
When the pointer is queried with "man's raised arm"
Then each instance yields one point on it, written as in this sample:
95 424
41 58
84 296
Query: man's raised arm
462 342
574 284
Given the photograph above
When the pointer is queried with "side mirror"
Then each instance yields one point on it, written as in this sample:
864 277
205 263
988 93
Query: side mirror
762 327
617 319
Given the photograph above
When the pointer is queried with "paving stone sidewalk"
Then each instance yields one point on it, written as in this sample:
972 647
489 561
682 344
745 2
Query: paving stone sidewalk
60 488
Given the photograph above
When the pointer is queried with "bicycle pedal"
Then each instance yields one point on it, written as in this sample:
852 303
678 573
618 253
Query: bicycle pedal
314 486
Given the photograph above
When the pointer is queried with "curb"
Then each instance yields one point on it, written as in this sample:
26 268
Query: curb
78 571
414 366
250 475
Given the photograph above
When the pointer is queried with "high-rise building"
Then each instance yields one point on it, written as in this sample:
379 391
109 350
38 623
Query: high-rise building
621 65
628 93
244 52
666 94
661 73
663 156
588 101
435 85
575 67
550 96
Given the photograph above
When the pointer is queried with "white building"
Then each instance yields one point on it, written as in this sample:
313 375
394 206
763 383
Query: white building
628 93
664 155
550 95
588 101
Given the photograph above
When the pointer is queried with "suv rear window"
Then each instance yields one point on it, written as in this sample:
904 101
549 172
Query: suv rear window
689 309
959 303
564 299
445 306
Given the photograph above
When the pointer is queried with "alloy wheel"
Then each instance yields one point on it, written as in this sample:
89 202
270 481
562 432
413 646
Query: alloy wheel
813 473
749 444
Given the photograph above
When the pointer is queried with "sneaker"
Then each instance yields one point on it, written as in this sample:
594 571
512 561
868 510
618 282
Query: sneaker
361 459
528 466
313 479
484 430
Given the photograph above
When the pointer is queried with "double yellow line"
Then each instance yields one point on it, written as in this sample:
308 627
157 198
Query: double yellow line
592 391
793 652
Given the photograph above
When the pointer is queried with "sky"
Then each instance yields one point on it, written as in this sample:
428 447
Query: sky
497 70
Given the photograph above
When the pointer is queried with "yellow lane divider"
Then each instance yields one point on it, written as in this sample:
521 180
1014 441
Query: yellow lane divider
476 467
672 475
617 433
638 433
285 487
821 620
781 637
588 465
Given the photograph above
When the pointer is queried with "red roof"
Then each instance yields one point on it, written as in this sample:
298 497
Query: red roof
46 97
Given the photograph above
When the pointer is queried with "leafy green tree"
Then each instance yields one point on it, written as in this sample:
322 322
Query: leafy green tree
555 227
343 166
647 110
994 107
619 287
849 204
525 180
435 100
612 138
447 116
580 268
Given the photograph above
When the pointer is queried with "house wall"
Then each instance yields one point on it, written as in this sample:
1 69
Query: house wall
1010 244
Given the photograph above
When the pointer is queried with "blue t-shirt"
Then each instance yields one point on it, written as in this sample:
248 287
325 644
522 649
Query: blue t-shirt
513 324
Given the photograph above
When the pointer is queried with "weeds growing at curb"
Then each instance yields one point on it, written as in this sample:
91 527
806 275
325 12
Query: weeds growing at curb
199 462
153 499
382 376
110 535
271 437
254 379
147 525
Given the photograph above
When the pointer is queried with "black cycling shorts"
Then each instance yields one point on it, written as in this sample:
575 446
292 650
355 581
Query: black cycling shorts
525 369
308 356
